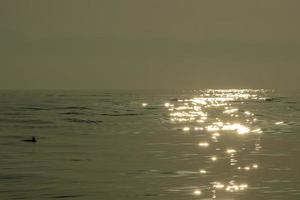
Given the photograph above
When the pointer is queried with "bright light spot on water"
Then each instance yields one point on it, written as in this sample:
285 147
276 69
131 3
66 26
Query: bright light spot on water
182 108
144 104
219 124
257 131
201 101
203 118
235 188
216 113
233 161
240 129
216 134
214 158
198 128
230 111
232 188
203 144
218 185
279 123
180 114
243 186
216 126
197 192
247 113
230 151
186 129
255 166
247 168
212 128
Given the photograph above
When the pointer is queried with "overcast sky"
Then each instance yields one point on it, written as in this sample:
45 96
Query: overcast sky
149 44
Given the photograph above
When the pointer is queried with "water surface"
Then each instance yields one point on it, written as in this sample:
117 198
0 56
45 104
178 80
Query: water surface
204 144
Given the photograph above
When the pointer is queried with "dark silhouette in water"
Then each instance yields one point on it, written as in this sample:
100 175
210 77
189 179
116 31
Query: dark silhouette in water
32 140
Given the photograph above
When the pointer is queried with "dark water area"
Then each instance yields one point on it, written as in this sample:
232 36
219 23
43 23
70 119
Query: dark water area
166 145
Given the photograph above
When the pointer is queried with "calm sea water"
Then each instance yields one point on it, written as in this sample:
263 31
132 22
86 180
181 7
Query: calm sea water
166 145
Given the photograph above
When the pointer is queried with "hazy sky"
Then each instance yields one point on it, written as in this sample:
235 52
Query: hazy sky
149 44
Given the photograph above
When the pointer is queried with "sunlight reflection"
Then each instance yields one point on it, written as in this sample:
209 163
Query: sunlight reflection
214 158
198 128
234 188
257 131
255 166
218 185
186 129
216 134
230 111
197 192
216 113
230 151
212 128
167 105
240 129
203 144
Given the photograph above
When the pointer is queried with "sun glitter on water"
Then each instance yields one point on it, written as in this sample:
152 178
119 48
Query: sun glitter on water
214 115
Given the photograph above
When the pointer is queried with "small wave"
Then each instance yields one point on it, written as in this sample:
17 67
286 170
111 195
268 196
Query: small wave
78 160
34 126
272 99
13 177
35 121
66 196
26 121
150 195
15 113
150 108
76 120
172 173
72 113
119 115
74 108
11 136
34 108
291 102
174 99
276 181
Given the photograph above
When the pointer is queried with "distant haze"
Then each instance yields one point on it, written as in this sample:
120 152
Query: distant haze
149 44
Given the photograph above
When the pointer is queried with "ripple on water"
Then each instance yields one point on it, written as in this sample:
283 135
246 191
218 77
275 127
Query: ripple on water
208 144
83 121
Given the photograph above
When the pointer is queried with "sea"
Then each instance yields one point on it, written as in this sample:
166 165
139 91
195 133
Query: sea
233 144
